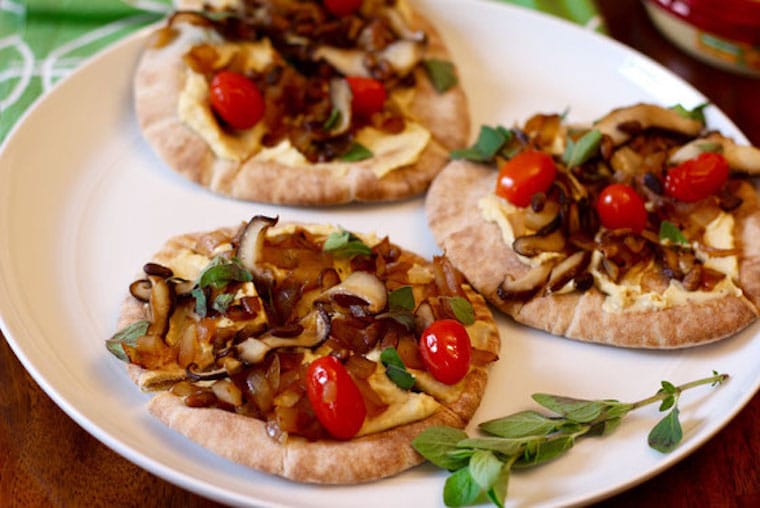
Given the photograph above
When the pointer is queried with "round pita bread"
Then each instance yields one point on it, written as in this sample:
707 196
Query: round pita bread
245 440
158 83
476 248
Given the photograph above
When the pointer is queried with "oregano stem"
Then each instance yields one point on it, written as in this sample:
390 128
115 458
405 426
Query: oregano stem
662 394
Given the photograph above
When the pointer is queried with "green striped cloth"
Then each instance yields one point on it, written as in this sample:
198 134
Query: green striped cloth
41 41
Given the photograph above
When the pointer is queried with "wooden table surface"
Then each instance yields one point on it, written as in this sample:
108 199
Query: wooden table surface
48 460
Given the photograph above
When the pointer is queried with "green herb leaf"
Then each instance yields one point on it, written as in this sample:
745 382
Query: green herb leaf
400 306
490 142
545 451
498 491
435 443
501 445
127 335
356 152
670 232
667 403
222 301
462 309
441 73
578 410
698 113
221 272
345 244
485 468
332 120
522 424
401 298
578 152
461 454
201 303
460 489
666 435
395 369
668 387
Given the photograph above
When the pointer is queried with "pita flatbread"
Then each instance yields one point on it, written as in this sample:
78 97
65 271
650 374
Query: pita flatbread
162 76
249 440
477 247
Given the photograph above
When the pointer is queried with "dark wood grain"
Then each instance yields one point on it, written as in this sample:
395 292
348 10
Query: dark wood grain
48 460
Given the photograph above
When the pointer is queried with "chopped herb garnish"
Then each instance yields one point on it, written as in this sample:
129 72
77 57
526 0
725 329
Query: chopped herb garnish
201 303
400 306
491 141
395 369
345 244
698 113
670 232
127 335
356 152
222 301
441 73
578 152
401 298
462 309
332 120
710 146
221 271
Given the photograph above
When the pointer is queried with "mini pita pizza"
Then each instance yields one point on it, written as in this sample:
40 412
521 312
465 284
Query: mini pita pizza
305 351
291 103
641 230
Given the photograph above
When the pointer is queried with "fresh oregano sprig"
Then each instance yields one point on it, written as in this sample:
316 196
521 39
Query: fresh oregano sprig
482 465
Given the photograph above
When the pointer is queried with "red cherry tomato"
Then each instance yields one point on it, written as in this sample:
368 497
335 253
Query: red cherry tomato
525 174
445 349
369 95
342 7
619 206
335 398
236 99
697 178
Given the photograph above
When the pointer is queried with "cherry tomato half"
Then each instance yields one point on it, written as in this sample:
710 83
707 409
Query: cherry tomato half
445 349
335 398
342 7
236 99
525 174
697 178
369 95
619 206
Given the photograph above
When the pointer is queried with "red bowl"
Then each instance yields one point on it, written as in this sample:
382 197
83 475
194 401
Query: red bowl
722 32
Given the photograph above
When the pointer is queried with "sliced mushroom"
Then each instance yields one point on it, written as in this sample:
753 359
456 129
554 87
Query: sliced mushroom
157 270
401 28
340 95
141 289
619 122
568 269
538 216
533 245
523 288
403 55
182 287
194 375
161 306
315 330
365 286
744 158
252 241
349 62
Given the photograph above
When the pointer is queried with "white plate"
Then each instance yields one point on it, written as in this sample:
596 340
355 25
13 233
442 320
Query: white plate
84 202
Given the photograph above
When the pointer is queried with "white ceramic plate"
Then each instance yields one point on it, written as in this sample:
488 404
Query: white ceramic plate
84 202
